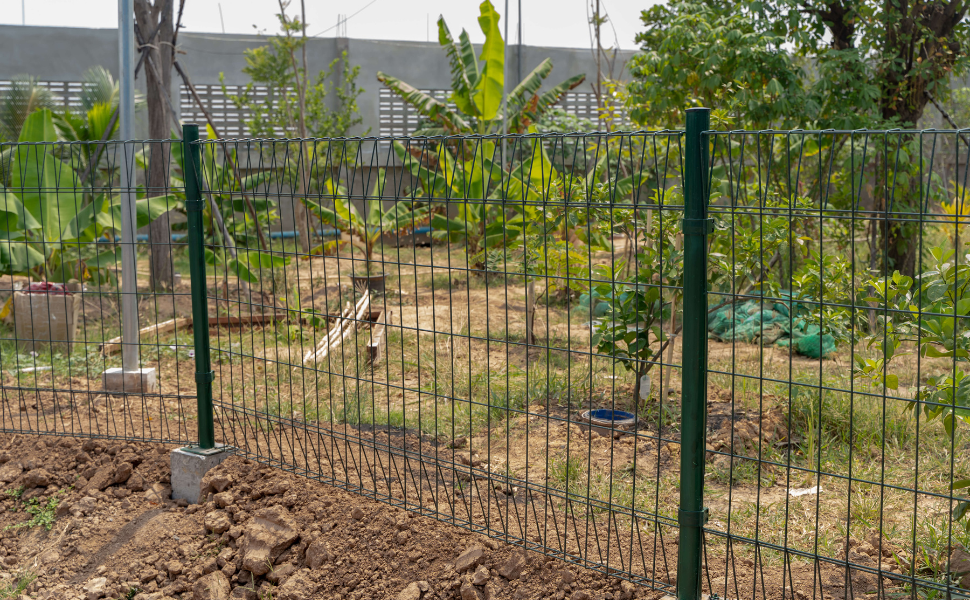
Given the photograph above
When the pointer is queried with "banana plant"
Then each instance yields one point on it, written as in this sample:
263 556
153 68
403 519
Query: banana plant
225 190
46 229
477 85
367 231
94 121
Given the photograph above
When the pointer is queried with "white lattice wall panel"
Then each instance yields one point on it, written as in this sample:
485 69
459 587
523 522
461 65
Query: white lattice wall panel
66 93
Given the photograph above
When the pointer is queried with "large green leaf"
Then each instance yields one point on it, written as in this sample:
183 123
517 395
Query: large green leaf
491 84
374 212
106 259
17 257
424 104
44 184
242 271
464 67
146 211
39 127
15 217
263 260
524 92
414 159
529 109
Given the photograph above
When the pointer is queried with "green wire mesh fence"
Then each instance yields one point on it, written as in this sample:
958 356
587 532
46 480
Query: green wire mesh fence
708 362
454 314
60 273
837 440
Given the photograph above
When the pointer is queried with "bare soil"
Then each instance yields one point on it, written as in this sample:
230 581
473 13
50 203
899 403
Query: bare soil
128 540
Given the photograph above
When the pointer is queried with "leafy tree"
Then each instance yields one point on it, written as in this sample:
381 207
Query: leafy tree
813 64
822 63
296 104
701 54
476 88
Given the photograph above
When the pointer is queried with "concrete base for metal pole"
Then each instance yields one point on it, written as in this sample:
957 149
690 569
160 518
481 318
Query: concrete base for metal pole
138 381
189 466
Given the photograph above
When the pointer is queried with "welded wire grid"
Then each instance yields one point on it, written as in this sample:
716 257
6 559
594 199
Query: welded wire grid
60 284
838 349
393 351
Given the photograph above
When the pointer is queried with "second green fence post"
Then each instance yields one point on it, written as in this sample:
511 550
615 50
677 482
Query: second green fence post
693 514
194 205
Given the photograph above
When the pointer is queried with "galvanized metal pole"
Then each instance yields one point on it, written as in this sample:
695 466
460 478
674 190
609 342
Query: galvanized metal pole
200 313
126 118
693 514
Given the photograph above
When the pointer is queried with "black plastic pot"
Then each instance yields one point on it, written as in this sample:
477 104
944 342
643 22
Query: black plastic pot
374 283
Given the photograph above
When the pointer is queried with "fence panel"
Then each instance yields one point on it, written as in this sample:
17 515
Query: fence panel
461 304
60 284
838 348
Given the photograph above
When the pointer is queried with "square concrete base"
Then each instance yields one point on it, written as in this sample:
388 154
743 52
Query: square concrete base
140 381
189 466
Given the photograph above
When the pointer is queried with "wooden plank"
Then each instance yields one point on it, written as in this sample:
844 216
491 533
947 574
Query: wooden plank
347 323
114 344
247 319
377 345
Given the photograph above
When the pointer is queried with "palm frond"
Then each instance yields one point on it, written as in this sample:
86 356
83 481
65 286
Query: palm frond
23 98
99 87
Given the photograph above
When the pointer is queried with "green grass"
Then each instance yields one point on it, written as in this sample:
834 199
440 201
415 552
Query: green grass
13 589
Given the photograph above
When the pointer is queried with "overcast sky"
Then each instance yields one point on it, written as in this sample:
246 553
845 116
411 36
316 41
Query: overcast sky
545 22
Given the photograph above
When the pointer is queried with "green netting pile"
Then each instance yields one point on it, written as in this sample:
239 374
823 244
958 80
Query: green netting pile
771 322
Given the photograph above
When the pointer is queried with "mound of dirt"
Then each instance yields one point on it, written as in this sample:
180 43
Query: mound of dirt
262 533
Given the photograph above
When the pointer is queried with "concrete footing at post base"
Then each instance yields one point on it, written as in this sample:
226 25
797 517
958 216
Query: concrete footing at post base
139 381
189 466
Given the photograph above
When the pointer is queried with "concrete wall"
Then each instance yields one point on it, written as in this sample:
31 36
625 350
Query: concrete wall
63 54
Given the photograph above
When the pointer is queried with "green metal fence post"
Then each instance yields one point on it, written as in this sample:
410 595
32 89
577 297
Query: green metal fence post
194 205
693 514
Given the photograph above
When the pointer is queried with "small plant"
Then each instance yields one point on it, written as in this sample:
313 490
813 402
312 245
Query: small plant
132 592
42 515
929 311
15 493
367 231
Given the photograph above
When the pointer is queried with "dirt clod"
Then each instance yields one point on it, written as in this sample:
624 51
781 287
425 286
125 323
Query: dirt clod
214 586
317 554
101 478
481 575
95 588
470 592
469 559
37 478
268 534
357 514
513 567
960 566
10 471
217 521
411 592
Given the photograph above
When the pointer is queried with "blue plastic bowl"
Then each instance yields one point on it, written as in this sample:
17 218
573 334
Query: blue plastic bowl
607 422
605 414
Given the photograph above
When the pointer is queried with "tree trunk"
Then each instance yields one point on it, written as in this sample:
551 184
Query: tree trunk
157 17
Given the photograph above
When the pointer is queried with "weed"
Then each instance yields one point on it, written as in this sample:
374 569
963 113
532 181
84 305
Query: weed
40 514
14 589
